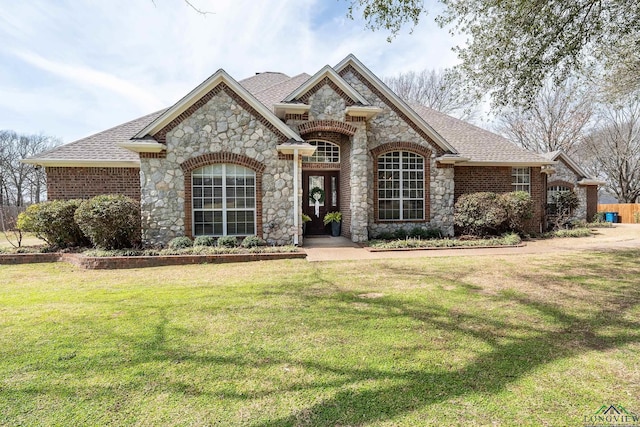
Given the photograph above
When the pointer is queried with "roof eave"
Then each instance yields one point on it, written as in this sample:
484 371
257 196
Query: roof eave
78 163
451 160
283 108
522 164
586 182
365 111
304 149
143 147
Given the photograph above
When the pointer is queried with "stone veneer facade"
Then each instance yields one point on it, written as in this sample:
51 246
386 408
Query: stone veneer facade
225 128
389 131
566 176
365 140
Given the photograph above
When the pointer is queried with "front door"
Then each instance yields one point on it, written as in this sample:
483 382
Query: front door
329 184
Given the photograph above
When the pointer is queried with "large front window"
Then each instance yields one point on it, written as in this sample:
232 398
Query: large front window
400 186
224 200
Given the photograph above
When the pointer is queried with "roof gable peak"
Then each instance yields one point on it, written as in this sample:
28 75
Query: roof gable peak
332 75
402 106
220 77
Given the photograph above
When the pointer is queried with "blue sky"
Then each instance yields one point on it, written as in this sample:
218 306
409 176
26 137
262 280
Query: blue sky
71 68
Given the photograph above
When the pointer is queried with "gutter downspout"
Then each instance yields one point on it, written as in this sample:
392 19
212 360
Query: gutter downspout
295 197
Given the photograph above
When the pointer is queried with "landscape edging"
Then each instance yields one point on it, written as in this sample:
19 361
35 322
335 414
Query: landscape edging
434 248
124 262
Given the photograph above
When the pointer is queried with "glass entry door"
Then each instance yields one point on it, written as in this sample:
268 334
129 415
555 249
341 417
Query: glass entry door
324 187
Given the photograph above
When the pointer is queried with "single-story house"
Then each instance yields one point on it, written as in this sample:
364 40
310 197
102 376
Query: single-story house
249 157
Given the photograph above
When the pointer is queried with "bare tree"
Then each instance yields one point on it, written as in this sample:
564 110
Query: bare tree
440 90
21 183
556 120
612 151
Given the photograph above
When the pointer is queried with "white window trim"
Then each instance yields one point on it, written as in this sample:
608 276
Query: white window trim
313 142
224 209
402 199
516 172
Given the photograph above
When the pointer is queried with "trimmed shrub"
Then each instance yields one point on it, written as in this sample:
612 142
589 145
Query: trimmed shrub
180 243
486 214
252 242
400 234
385 235
204 241
479 214
227 242
54 223
110 221
518 207
424 233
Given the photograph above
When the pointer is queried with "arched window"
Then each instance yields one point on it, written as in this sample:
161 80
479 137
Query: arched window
553 191
401 181
223 200
326 152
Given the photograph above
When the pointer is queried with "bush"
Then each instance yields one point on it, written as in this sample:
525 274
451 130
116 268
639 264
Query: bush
479 214
566 203
424 233
385 235
204 241
483 214
110 221
180 243
54 223
400 234
227 242
518 207
252 242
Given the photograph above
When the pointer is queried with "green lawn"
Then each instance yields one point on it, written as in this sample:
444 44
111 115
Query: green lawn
519 340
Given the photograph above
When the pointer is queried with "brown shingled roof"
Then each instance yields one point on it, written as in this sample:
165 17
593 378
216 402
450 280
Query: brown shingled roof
102 145
279 91
262 81
475 143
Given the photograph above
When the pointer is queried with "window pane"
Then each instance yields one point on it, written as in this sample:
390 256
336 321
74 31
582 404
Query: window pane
401 186
210 207
326 152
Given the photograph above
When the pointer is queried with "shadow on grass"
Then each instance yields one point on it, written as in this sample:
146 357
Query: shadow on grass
571 334
360 395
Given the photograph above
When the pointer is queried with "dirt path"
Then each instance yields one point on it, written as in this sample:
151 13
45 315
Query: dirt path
622 236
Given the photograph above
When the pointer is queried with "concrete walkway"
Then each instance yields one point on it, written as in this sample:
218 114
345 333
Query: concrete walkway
622 236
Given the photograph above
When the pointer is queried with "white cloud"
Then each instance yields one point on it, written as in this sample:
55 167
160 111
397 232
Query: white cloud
108 62
94 80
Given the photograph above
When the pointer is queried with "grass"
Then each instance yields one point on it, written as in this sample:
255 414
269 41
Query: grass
8 240
518 340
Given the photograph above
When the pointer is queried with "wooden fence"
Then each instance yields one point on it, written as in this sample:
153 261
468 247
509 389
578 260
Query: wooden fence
629 213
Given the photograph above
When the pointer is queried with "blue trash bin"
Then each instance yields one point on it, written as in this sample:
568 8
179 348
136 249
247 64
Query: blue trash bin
611 217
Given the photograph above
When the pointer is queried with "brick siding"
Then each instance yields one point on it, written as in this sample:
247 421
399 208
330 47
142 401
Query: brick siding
328 126
497 179
64 183
592 201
